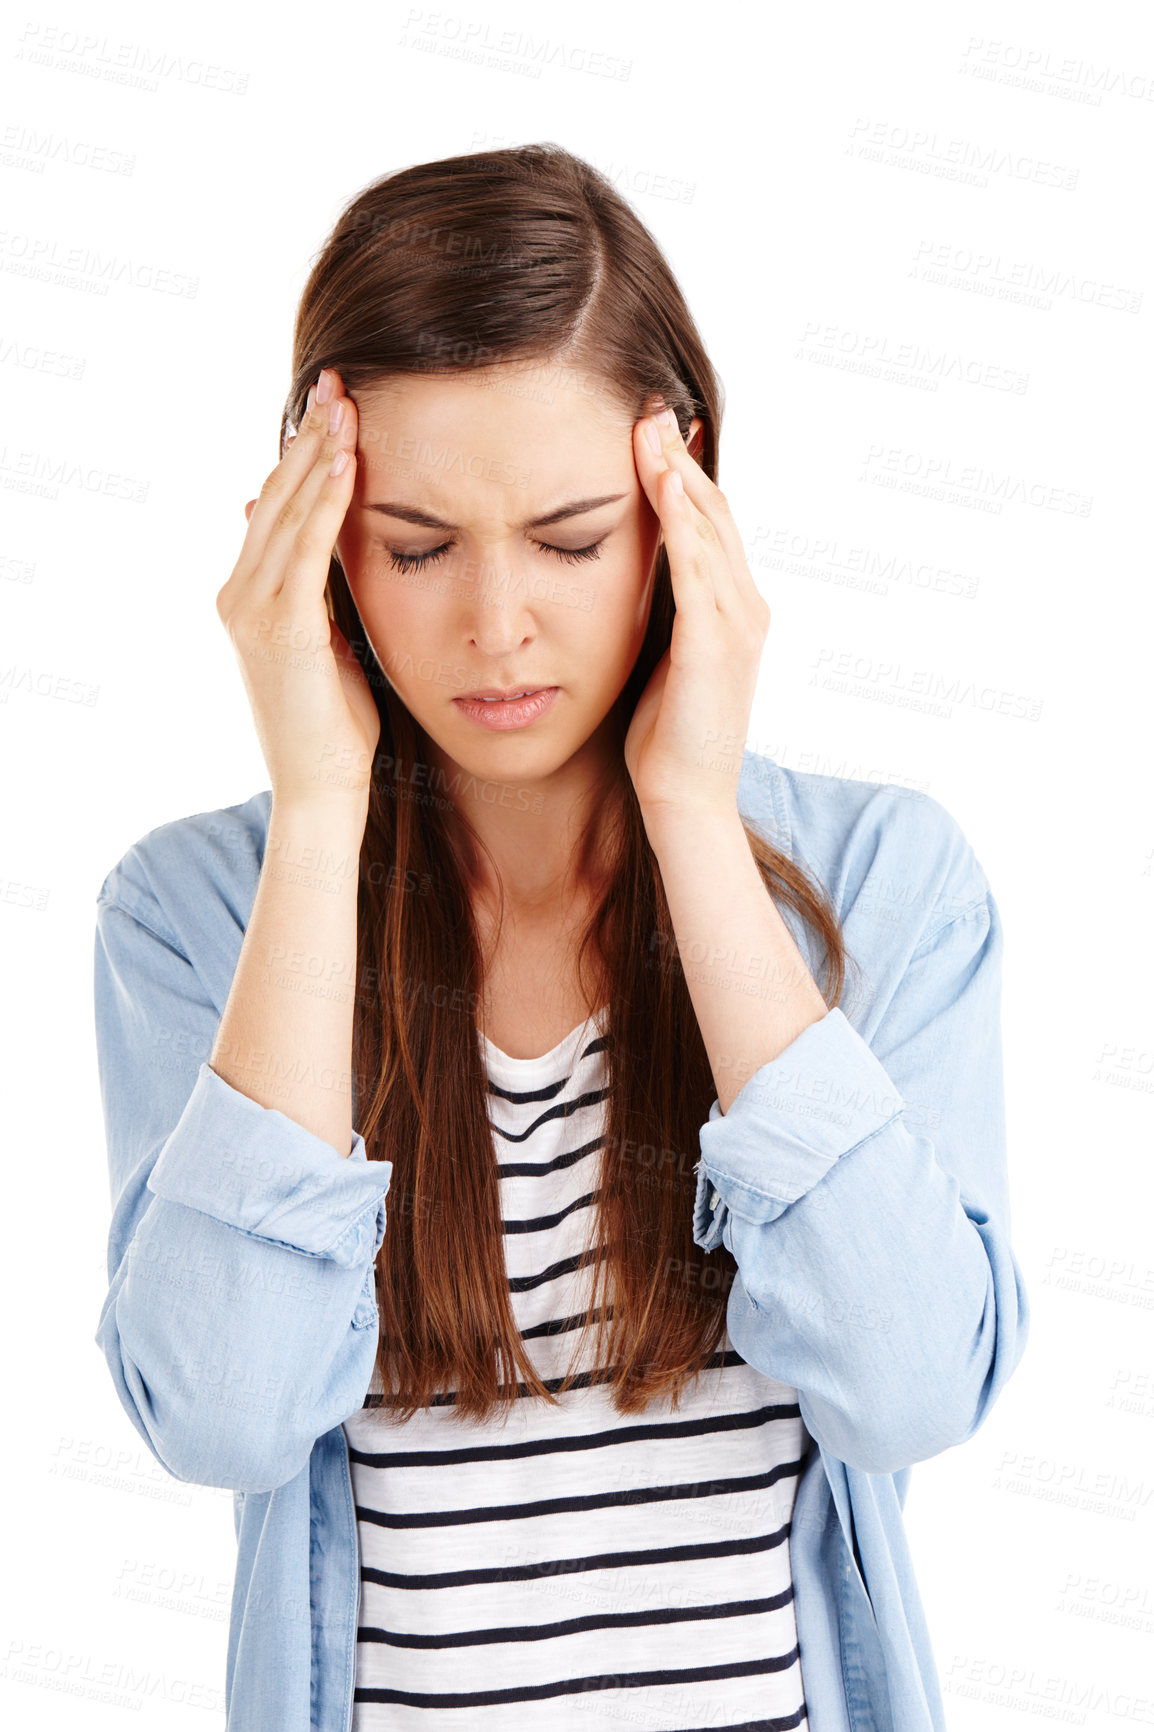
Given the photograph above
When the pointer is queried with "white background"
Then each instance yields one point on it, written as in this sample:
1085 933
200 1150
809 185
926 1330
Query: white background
880 217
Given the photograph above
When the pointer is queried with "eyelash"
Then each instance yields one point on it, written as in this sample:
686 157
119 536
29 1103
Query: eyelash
411 561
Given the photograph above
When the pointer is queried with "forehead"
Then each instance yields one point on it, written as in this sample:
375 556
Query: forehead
515 432
515 402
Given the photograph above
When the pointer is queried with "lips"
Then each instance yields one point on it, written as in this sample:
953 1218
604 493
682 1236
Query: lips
503 713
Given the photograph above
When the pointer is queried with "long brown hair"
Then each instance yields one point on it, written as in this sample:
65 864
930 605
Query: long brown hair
524 255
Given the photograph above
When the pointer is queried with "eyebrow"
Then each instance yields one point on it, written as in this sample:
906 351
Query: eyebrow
409 513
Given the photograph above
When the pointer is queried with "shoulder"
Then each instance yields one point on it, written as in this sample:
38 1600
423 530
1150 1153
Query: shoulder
190 873
885 853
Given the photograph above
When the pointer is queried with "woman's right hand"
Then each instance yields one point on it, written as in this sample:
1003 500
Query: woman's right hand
316 719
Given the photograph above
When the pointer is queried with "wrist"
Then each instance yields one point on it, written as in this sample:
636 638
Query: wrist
668 824
344 809
314 846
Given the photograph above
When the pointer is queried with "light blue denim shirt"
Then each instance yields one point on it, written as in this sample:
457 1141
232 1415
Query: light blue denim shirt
859 1179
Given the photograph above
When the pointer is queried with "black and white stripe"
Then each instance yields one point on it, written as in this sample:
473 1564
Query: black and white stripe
569 1566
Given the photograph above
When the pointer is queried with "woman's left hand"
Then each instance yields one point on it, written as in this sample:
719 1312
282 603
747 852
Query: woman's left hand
685 742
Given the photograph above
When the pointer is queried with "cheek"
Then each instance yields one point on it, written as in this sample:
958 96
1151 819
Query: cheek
382 605
377 589
405 621
637 575
613 609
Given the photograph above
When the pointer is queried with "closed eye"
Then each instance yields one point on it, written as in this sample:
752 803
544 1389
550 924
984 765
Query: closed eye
413 561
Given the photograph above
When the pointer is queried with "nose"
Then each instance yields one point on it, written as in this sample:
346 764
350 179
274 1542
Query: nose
502 601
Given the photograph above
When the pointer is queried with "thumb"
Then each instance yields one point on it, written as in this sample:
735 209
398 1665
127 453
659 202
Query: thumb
249 509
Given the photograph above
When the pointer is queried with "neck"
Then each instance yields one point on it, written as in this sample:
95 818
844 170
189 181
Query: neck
543 854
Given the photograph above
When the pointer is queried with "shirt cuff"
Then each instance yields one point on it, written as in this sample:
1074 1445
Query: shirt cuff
822 1097
256 1169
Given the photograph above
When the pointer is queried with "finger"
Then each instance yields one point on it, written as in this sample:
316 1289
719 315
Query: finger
309 501
703 493
695 565
733 581
694 534
325 498
306 449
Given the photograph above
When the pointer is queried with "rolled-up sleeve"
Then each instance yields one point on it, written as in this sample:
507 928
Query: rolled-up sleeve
794 1115
264 1174
241 1320
861 1186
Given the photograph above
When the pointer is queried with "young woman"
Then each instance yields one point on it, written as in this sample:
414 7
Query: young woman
689 1252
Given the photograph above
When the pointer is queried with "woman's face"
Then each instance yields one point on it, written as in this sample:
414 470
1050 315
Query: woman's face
491 594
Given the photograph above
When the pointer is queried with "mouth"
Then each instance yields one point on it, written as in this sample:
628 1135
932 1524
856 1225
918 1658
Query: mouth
495 709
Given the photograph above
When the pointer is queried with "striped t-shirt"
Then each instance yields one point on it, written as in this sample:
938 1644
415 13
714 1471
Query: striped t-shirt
569 1566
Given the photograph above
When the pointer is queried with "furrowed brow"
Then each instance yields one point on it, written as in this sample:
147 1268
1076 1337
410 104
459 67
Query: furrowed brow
426 519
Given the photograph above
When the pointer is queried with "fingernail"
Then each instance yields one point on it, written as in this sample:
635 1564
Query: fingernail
324 385
652 434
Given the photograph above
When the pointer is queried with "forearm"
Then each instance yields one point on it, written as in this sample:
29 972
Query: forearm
900 1340
285 1038
751 989
860 1185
